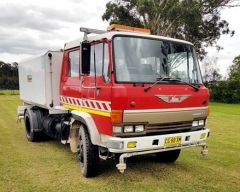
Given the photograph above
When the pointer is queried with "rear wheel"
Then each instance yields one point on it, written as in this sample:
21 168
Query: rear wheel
168 156
29 129
87 154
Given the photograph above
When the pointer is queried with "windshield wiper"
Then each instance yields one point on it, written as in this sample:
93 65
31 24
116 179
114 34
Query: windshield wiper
156 82
196 88
171 79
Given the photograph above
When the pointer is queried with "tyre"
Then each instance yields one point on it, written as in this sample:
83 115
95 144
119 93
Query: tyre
168 156
87 154
29 129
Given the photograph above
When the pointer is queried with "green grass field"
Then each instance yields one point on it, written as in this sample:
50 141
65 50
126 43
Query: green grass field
50 166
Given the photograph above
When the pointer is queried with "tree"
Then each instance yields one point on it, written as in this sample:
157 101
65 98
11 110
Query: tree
198 21
8 75
210 69
234 70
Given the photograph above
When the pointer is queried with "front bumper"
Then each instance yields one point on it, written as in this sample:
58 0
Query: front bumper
152 143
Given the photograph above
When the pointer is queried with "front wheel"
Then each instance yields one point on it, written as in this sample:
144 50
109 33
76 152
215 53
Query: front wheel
168 156
87 154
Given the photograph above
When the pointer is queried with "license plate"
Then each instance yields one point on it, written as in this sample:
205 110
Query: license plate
172 140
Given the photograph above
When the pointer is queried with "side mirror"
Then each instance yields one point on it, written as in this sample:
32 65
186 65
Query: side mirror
85 58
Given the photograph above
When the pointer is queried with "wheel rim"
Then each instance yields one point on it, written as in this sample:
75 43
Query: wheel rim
80 151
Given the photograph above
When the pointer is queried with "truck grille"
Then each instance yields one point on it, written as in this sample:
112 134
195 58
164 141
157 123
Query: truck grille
163 128
176 127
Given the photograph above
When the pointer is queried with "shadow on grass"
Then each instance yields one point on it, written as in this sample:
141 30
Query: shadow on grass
137 165
144 164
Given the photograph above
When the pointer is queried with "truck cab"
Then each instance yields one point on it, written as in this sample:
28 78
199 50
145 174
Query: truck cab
127 93
142 92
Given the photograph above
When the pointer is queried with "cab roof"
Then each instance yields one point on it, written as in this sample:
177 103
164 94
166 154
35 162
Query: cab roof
110 34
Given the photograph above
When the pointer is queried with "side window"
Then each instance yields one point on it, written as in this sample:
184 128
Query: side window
106 63
73 69
97 57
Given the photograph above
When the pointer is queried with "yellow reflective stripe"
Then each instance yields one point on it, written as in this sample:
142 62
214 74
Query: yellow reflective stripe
92 111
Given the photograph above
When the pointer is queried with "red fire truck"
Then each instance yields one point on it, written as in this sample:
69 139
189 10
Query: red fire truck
116 94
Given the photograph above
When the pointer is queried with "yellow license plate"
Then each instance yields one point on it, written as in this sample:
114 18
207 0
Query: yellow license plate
172 141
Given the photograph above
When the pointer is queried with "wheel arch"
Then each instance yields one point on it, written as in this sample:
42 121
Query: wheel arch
86 120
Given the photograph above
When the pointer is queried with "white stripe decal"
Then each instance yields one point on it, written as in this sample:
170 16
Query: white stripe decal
87 103
108 106
101 106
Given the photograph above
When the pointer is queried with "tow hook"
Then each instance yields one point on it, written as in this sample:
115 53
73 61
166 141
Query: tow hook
204 151
122 166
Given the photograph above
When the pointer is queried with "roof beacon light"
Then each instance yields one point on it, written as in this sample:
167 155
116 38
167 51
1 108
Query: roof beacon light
116 27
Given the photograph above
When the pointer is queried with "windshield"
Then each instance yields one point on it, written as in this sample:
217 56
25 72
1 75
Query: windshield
143 60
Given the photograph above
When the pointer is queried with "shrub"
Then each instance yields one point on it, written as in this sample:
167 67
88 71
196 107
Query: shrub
225 91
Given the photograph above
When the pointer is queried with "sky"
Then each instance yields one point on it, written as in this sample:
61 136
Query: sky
29 27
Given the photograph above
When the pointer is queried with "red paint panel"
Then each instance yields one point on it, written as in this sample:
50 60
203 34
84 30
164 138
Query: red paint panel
124 94
103 124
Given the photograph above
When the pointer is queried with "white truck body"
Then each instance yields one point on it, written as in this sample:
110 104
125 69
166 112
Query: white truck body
39 79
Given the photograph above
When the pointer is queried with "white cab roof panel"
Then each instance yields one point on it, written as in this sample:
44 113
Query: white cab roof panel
109 35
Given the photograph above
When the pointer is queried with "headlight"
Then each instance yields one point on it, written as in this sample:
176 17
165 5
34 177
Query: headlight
139 128
128 129
195 123
198 123
117 129
201 122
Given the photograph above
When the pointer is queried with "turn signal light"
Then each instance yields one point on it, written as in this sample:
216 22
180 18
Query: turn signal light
203 135
117 116
132 144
